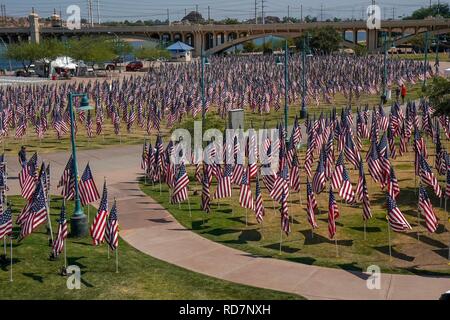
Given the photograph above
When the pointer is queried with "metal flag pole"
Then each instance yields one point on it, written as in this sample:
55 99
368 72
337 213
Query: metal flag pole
11 259
189 205
365 223
117 260
107 246
281 238
335 242
389 237
246 217
65 255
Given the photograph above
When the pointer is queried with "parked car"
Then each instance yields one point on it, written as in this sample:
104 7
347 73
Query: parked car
23 73
109 66
134 66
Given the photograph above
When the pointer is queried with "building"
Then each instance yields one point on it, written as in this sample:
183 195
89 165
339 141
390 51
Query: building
180 51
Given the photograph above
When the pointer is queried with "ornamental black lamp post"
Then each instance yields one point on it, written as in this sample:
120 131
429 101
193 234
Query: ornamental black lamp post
78 223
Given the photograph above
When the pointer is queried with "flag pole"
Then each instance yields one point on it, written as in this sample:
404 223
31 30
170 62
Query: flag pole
107 246
246 217
65 255
117 260
337 249
365 236
281 238
389 237
11 259
49 220
189 205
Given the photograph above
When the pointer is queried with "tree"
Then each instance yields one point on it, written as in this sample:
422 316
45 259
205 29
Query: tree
249 46
25 52
229 21
441 9
147 53
438 93
91 49
324 39
360 50
121 48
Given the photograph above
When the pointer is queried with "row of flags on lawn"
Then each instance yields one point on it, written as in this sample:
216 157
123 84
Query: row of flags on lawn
335 143
35 189
172 93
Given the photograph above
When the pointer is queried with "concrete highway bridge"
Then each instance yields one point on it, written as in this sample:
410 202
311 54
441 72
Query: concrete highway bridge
217 38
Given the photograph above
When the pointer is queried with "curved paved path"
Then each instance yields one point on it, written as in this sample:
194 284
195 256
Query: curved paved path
152 230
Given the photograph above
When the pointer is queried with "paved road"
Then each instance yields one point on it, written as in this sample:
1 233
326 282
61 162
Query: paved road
152 230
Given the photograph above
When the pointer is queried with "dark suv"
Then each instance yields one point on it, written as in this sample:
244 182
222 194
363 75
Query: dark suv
134 66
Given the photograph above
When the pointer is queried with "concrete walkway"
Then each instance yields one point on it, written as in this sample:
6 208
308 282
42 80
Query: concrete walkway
151 229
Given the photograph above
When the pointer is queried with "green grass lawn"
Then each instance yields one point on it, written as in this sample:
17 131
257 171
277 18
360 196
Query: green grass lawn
421 56
108 138
227 225
140 276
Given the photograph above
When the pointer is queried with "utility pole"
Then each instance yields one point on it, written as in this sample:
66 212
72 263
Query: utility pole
256 11
98 11
168 17
393 13
88 11
209 14
92 14
321 12
196 13
288 16
262 12
301 13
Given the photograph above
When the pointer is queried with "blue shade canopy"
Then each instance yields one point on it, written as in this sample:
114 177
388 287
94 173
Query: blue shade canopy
179 46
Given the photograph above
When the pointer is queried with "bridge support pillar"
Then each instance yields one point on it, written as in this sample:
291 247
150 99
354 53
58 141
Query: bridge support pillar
198 44
355 36
372 40
33 19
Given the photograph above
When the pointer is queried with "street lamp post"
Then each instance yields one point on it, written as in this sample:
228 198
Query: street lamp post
425 62
286 86
79 223
304 110
436 63
383 92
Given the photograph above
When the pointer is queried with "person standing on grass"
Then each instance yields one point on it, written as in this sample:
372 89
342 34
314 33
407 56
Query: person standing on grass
23 156
403 92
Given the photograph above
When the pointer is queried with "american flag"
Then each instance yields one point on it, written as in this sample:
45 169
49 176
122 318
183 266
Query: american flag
351 153
329 161
395 217
333 214
285 225
259 207
309 155
66 173
6 223
382 149
428 177
180 192
346 190
336 177
36 212
112 228
28 178
447 184
245 193
224 186
206 197
98 227
393 187
311 205
319 178
58 244
238 172
374 164
281 184
88 189
425 206
144 158
294 175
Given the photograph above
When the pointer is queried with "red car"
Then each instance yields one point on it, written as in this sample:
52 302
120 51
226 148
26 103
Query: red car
134 66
